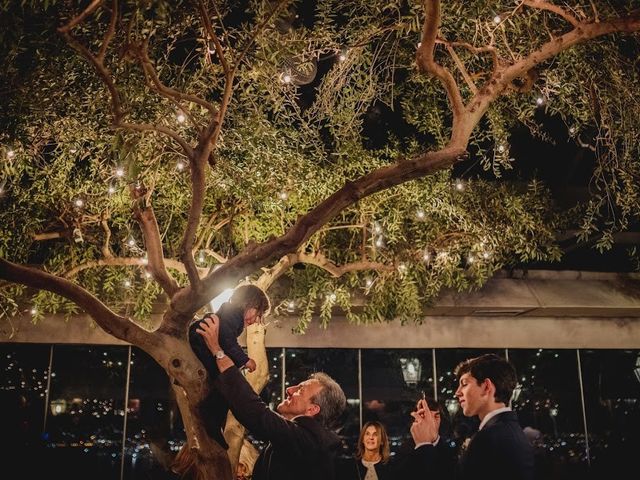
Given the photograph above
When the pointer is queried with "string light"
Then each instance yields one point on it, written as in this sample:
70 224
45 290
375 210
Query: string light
291 306
402 268
377 229
120 172
420 214
501 148
78 202
111 190
540 101
147 274
283 195
332 297
201 257
368 282
145 261
285 77
572 130
180 166
180 116
127 283
10 154
459 185
426 256
131 241
497 19
380 242
33 311
342 56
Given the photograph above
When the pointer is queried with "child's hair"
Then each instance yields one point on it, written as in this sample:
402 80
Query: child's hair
250 296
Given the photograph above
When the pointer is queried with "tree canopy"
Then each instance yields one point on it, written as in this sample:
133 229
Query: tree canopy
339 153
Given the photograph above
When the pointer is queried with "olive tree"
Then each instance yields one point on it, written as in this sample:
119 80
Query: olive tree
157 153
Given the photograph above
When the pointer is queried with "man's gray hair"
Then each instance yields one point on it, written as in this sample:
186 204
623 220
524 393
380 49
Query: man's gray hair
330 399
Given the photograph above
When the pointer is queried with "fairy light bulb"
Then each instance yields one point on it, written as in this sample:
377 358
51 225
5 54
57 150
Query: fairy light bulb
426 256
572 130
540 101
497 19
111 190
180 117
283 195
120 172
10 154
501 148
33 311
147 274
420 214
78 202
332 297
368 282
145 261
180 166
285 78
459 185
127 283
379 242
131 242
201 257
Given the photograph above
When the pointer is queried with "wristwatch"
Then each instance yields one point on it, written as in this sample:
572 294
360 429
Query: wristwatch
219 354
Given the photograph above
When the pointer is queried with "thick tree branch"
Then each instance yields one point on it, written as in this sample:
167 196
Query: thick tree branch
256 256
426 61
153 243
116 325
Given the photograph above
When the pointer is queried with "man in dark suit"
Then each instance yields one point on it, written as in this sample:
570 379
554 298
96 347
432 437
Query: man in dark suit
500 449
302 444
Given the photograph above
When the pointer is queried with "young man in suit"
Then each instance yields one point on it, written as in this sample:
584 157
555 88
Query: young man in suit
500 449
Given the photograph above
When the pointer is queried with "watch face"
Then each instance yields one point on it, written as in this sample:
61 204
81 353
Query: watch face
219 354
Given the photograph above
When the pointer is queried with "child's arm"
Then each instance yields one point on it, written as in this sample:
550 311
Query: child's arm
230 345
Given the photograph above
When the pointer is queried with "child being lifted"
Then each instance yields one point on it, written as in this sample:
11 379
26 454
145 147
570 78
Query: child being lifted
247 305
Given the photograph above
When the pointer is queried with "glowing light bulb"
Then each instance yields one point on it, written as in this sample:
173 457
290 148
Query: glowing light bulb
111 190
420 214
459 185
78 202
332 297
120 172
127 283
145 261
33 311
283 195
539 101
11 153
180 117
501 148
180 166
497 19
426 256
131 241
285 78
368 282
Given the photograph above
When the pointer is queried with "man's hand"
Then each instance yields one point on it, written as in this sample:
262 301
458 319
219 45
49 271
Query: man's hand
209 328
424 428
250 365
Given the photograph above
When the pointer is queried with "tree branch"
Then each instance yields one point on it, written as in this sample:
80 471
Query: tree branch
216 41
503 77
255 256
426 62
111 30
543 5
122 262
153 243
113 324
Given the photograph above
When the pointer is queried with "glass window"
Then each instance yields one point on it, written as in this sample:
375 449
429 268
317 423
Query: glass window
155 431
549 408
86 411
342 365
23 387
392 382
611 380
